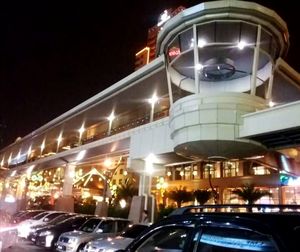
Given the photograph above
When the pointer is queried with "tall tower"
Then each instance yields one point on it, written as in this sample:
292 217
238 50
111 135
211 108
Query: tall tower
147 54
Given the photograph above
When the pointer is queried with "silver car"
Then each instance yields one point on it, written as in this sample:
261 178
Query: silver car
98 227
121 241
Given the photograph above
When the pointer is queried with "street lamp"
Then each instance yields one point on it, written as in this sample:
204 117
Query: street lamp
152 102
110 119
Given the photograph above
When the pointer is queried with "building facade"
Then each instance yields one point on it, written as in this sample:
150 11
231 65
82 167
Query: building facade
216 109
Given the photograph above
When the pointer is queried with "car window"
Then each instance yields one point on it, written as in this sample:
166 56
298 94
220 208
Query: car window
52 216
40 216
233 240
90 225
134 231
122 224
166 239
107 226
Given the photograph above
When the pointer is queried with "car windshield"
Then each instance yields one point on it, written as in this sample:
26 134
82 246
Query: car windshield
60 218
90 225
40 216
134 231
51 217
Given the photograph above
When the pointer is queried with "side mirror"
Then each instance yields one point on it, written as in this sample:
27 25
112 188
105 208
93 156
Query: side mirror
99 230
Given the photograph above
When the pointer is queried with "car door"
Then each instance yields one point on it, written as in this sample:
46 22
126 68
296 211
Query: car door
165 239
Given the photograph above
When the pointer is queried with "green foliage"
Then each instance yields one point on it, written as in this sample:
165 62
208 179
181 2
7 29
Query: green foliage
117 211
85 206
126 191
202 196
40 202
250 194
164 211
180 196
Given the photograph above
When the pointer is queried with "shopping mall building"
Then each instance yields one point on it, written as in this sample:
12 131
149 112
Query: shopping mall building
215 107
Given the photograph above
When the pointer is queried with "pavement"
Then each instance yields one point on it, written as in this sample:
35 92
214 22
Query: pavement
25 246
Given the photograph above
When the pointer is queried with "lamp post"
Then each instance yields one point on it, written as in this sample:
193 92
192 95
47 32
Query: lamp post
152 102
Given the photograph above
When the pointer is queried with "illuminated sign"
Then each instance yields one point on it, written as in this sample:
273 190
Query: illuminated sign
174 51
163 18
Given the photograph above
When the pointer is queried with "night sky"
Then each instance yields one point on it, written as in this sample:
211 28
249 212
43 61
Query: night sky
54 56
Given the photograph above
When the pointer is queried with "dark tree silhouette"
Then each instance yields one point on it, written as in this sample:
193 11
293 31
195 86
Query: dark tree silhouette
180 196
202 196
250 194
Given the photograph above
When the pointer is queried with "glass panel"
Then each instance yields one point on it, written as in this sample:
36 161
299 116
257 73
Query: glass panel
248 33
186 40
166 239
234 240
265 41
174 49
222 34
206 33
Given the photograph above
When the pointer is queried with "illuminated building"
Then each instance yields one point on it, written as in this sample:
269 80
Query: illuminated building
224 114
147 54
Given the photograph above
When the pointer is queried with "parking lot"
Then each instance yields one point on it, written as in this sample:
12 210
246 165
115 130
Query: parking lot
24 246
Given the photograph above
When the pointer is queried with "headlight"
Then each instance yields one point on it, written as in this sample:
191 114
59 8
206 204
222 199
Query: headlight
45 233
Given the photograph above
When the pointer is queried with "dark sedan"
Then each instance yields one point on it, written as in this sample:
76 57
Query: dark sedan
190 229
48 236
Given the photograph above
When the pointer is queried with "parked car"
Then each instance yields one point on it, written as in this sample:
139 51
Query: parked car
42 218
8 231
97 227
55 220
191 229
26 214
48 236
115 243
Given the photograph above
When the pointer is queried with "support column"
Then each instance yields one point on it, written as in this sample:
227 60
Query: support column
255 61
66 202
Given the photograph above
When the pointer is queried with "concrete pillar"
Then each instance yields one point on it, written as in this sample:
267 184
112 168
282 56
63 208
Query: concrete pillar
281 195
136 209
66 202
101 209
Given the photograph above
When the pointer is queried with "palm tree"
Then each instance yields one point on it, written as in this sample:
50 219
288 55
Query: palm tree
202 196
250 194
126 191
180 196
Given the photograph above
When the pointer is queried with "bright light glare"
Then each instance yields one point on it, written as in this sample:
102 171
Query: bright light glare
241 45
199 67
81 130
111 117
107 162
271 104
43 145
201 43
153 99
123 203
29 170
13 173
80 155
9 199
59 139
150 159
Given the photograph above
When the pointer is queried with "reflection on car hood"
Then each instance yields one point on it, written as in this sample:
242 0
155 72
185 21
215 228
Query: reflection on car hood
76 233
118 242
